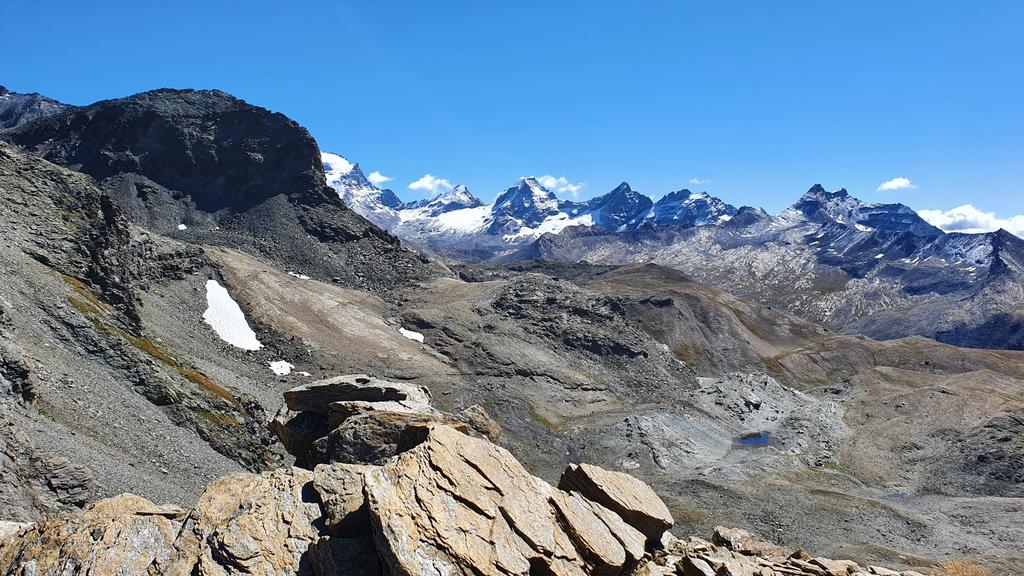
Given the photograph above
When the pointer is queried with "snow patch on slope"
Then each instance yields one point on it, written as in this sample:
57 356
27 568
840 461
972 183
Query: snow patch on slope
411 335
281 367
226 318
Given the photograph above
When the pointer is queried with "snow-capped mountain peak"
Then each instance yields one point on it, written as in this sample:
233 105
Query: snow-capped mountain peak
686 208
335 166
821 206
527 194
458 198
358 193
621 209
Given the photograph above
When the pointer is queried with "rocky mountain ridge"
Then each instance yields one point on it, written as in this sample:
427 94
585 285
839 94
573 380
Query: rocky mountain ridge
17 109
867 269
207 168
455 220
874 269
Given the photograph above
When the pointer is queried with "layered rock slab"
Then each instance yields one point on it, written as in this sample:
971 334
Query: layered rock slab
627 496
461 505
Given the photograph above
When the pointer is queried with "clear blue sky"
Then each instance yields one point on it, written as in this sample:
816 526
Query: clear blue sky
761 99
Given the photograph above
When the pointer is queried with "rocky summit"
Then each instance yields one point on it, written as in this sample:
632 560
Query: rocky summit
445 502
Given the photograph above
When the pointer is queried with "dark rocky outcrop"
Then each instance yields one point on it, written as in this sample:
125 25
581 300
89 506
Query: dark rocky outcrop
230 173
360 419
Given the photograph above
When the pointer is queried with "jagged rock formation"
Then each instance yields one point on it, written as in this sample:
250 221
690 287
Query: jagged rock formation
736 552
446 503
228 172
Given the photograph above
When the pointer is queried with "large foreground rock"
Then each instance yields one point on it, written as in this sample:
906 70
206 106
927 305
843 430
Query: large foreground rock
248 524
622 493
461 505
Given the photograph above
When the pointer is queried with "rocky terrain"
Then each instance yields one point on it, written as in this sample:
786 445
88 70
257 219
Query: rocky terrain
118 375
432 499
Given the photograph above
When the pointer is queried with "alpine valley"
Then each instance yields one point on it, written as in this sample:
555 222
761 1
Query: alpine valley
224 351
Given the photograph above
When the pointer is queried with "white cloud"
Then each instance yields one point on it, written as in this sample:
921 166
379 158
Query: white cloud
561 185
432 184
969 219
899 183
699 181
377 178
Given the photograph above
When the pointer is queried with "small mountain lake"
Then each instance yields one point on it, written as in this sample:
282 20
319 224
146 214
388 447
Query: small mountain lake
756 440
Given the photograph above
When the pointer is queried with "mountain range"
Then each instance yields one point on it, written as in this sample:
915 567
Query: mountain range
874 269
455 219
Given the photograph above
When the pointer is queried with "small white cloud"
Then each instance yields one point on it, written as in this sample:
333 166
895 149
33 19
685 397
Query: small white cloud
969 219
899 183
699 181
561 185
431 184
376 178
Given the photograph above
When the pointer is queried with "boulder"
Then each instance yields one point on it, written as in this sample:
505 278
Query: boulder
370 437
689 566
478 511
837 567
318 396
479 422
258 524
358 419
115 536
625 495
739 540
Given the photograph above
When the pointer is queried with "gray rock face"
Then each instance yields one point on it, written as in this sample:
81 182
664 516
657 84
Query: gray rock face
74 352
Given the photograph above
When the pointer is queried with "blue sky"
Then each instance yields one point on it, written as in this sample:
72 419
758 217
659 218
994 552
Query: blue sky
756 100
